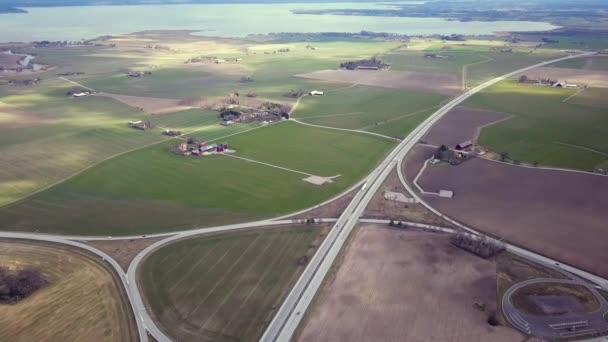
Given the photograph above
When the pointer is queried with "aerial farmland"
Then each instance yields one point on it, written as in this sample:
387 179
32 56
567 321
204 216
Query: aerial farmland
332 172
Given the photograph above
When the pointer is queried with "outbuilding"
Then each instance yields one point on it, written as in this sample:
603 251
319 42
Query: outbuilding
317 93
464 145
446 194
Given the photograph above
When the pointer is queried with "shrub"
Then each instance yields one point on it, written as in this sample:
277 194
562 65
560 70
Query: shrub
15 286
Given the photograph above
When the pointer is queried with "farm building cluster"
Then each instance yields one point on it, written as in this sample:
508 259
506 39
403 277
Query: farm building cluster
196 148
79 93
365 64
139 74
210 59
547 82
457 154
25 83
265 113
140 125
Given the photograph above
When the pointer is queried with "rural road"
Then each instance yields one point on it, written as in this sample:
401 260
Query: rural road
291 312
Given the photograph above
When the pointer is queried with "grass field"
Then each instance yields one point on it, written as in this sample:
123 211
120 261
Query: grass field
82 303
226 287
500 63
481 59
369 108
153 189
46 136
590 63
544 128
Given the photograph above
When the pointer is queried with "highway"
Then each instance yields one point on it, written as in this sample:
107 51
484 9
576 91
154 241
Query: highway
297 302
291 312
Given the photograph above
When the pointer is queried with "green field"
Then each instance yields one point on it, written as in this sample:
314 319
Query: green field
45 136
390 111
225 287
500 63
599 63
544 128
154 190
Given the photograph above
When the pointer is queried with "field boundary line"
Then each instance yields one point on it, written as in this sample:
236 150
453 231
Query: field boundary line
400 117
270 165
346 130
582 148
78 84
62 180
546 168
465 70
573 95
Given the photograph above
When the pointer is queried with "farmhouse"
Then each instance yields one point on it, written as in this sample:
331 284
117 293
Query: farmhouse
81 94
266 112
140 125
172 133
564 85
139 74
363 67
435 55
195 148
25 83
446 194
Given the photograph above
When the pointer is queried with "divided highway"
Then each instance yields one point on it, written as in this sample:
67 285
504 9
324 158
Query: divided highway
291 312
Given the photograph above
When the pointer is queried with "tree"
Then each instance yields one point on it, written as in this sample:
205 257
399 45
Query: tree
535 163
504 156
523 79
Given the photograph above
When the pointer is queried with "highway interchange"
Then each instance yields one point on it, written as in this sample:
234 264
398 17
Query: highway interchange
297 302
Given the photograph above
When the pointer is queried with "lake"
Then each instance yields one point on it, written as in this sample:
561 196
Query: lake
227 20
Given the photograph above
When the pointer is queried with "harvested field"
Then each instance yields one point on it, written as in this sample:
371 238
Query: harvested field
462 124
591 78
408 292
226 287
82 303
441 83
123 251
559 214
9 61
150 105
